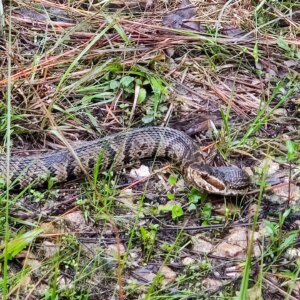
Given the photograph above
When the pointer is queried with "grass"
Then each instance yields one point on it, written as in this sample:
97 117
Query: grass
7 196
100 68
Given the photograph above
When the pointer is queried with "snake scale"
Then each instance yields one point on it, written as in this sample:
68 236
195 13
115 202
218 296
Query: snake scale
119 150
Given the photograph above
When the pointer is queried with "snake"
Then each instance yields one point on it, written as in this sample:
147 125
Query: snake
119 150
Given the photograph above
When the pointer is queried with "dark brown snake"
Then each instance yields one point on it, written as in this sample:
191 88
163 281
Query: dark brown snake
119 150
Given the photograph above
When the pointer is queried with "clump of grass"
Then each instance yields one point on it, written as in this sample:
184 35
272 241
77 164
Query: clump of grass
93 69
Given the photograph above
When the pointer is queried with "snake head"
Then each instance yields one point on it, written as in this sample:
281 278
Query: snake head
217 180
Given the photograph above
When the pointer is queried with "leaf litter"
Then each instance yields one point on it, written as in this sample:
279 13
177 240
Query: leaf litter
195 63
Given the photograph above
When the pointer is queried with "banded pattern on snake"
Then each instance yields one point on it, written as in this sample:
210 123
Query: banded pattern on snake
120 150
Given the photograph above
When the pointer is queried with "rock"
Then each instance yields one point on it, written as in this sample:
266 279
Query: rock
49 249
34 264
40 290
292 254
225 249
134 255
249 171
291 63
284 193
180 185
238 236
252 210
272 166
212 284
64 282
145 273
235 245
295 287
200 245
49 228
128 198
188 261
169 275
24 254
25 281
75 221
233 271
140 173
149 277
297 223
280 112
113 249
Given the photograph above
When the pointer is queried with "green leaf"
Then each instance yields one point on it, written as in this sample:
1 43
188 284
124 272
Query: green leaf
114 84
92 119
2 183
177 211
291 150
255 53
138 81
283 44
126 81
156 86
288 242
172 180
170 196
18 243
108 96
166 207
144 233
147 119
207 211
270 228
123 105
142 95
285 214
191 207
37 195
154 227
117 27
194 196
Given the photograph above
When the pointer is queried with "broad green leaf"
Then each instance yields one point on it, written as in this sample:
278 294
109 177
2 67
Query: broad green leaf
191 207
18 243
177 211
283 44
147 119
114 84
126 81
172 180
142 95
156 86
170 196
194 196
207 211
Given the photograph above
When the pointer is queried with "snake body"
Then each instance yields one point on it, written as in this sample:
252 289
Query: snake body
119 150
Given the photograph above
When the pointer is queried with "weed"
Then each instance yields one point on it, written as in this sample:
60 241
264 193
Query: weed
79 70
148 238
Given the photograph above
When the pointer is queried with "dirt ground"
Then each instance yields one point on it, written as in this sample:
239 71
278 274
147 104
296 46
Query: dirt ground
224 72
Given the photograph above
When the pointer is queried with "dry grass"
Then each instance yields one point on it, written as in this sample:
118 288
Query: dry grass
77 71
